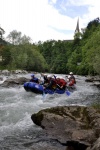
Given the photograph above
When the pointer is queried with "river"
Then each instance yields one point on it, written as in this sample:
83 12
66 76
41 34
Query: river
17 131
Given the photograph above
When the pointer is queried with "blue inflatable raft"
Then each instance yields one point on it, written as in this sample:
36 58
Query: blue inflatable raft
37 88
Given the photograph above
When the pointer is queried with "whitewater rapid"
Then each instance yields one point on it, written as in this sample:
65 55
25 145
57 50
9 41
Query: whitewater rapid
17 106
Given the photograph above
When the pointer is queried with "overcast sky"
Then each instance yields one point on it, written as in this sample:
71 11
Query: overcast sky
44 20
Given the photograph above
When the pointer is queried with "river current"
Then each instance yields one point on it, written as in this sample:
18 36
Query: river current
17 131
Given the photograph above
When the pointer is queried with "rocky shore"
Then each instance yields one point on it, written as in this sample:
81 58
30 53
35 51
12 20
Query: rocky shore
95 80
76 127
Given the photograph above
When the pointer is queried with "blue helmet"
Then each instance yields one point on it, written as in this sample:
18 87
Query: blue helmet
32 75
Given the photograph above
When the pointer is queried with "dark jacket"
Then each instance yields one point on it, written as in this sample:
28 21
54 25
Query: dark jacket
52 84
34 79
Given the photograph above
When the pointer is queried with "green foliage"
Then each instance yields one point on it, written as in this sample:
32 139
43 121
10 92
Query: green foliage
56 54
81 56
25 57
78 35
93 24
91 27
6 55
16 38
91 53
96 64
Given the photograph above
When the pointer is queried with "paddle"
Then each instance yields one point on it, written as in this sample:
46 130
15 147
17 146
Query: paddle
44 95
68 93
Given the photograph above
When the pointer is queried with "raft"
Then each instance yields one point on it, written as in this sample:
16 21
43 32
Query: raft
39 89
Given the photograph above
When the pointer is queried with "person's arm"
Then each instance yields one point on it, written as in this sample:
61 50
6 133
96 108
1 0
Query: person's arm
45 78
50 84
54 76
31 80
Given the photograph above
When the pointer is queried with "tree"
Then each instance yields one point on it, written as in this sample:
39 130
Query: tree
91 27
27 57
16 38
91 52
25 40
5 55
96 64
93 24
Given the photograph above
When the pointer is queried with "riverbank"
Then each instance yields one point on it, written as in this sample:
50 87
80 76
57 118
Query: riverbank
94 79
17 107
76 127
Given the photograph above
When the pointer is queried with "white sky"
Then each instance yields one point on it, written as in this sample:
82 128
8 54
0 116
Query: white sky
44 20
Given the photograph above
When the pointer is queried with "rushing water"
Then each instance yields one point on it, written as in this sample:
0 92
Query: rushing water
17 131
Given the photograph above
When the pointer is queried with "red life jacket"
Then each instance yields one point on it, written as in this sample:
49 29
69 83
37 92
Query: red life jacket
61 82
54 85
72 82
73 79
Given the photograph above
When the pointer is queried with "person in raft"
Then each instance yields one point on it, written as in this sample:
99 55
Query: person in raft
71 81
51 83
34 79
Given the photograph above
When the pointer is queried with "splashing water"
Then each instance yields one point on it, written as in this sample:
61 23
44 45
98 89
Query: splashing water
17 106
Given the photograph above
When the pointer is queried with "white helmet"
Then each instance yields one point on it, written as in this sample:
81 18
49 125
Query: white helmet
60 77
68 76
49 76
71 73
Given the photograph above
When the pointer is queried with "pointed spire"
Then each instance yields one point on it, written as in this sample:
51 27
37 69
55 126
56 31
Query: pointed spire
1 32
77 30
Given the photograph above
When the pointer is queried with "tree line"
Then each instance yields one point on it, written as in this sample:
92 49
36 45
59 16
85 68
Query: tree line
81 55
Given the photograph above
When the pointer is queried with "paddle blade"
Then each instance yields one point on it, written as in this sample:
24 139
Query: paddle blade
44 95
68 93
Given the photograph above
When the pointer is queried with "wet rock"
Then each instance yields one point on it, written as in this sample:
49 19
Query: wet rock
97 85
95 80
70 123
95 146
8 73
19 72
74 145
89 80
14 82
1 78
5 72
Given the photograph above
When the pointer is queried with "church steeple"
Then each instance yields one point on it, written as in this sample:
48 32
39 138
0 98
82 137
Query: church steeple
77 30
1 32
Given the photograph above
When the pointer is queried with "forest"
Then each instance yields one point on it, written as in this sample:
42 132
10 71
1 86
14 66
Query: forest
81 55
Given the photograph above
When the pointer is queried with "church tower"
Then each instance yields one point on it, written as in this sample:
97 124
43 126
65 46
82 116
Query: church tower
77 30
1 32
